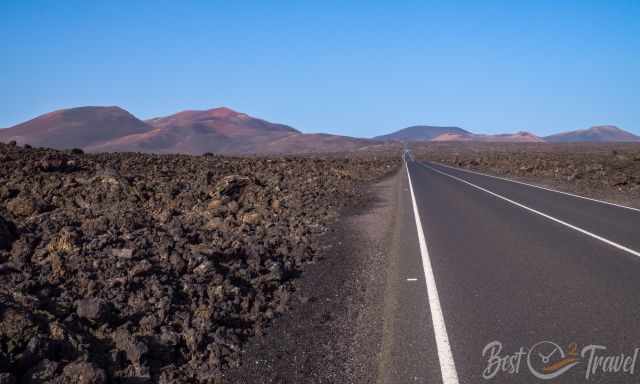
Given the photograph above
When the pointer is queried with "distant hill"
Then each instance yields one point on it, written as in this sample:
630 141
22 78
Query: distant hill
225 131
76 128
603 133
217 130
519 137
436 133
421 132
223 121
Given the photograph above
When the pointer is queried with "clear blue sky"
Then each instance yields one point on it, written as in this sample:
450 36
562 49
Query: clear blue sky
352 67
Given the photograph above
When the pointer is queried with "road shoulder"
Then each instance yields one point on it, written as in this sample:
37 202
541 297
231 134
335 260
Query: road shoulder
333 332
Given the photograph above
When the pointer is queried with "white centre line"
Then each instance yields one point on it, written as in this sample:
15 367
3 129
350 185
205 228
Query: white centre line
538 186
411 279
447 365
581 230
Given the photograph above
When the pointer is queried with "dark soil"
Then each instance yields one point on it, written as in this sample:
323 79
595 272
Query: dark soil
605 171
147 268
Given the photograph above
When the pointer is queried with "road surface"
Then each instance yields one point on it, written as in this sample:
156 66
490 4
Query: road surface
531 277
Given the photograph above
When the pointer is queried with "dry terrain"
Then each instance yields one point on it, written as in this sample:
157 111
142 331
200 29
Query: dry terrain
156 268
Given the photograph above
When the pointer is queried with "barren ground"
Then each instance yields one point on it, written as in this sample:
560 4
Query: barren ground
148 268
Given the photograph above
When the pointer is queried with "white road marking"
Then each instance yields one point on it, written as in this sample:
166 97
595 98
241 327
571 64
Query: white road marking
540 187
411 279
581 230
447 365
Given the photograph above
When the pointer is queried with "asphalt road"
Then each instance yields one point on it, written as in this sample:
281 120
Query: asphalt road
532 271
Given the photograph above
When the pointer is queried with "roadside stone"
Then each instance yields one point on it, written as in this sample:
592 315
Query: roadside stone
123 253
54 162
215 204
140 268
22 206
91 309
252 218
231 186
84 373
216 223
133 348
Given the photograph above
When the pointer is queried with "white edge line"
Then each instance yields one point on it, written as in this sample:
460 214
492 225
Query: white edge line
583 231
445 357
537 186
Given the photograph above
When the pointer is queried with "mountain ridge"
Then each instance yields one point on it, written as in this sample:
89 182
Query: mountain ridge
421 132
75 127
602 133
518 137
226 131
218 130
598 133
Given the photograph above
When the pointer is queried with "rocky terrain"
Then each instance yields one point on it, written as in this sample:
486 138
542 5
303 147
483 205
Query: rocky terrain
604 171
156 268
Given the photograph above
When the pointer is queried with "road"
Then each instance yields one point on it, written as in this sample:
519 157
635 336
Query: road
484 260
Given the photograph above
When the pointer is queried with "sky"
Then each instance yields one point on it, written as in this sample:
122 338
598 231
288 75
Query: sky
358 68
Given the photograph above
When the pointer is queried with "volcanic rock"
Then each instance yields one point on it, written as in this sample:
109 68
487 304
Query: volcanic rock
92 309
145 268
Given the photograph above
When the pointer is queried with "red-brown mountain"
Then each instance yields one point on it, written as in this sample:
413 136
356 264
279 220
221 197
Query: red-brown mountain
518 137
602 133
75 128
422 133
437 133
218 130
